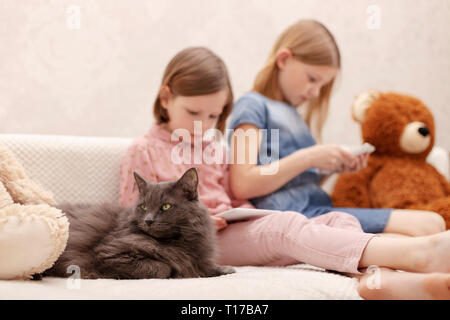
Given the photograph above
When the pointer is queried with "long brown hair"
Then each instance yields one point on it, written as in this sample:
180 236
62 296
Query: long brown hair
195 71
312 43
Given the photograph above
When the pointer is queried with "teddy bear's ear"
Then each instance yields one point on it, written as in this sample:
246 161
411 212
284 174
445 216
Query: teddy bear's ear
362 103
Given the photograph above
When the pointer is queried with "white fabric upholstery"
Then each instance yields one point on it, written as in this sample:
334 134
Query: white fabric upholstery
75 169
249 283
87 169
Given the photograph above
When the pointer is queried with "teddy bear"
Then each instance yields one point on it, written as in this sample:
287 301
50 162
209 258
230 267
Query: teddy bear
33 234
397 175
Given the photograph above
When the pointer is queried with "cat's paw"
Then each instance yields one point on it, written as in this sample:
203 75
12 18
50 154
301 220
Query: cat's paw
37 276
217 271
222 270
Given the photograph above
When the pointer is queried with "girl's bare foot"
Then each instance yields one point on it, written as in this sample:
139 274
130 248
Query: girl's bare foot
437 285
415 254
388 284
433 254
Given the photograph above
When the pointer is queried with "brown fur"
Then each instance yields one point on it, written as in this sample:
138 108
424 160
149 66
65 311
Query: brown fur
109 241
393 177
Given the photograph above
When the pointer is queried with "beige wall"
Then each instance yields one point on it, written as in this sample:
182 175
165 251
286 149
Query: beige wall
100 79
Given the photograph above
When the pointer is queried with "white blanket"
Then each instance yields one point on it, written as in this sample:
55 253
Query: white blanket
249 283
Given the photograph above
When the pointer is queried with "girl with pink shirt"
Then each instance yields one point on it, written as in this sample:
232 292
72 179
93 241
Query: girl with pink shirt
196 90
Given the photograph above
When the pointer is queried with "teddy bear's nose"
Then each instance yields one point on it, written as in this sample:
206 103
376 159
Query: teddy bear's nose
424 131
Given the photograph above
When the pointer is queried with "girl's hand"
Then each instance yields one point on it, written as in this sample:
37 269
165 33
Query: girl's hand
333 158
361 162
219 222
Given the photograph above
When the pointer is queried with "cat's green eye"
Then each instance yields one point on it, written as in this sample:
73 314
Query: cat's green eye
143 207
166 206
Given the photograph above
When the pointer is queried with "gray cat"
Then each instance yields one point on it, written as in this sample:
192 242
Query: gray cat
167 234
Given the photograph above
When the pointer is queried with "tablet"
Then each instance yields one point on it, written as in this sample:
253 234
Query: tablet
356 151
365 148
238 214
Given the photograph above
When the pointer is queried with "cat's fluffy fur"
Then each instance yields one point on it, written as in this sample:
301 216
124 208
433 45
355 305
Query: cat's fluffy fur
167 234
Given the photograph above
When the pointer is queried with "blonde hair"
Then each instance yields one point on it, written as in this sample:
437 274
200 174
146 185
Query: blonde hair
312 43
195 71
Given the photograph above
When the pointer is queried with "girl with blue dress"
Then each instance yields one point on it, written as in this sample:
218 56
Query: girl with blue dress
300 72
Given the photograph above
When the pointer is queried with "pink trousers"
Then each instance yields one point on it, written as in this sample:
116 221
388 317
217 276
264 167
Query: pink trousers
333 241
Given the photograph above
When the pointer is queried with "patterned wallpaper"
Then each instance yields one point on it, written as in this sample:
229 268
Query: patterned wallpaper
92 67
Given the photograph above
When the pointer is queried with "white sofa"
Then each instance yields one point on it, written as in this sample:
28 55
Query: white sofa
86 169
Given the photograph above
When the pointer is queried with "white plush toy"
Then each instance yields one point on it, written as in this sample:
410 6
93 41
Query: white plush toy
33 234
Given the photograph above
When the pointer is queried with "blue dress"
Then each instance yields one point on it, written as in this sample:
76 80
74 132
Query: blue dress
285 132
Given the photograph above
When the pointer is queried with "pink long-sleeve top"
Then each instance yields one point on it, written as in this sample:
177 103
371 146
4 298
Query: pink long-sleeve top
150 156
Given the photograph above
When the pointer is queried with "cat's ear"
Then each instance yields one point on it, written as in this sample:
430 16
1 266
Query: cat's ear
140 182
189 183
